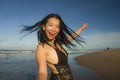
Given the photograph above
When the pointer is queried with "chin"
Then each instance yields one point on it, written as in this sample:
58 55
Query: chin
51 39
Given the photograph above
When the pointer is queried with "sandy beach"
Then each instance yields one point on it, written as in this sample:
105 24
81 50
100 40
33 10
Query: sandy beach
104 63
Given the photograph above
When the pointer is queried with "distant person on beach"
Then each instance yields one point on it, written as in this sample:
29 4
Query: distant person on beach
52 34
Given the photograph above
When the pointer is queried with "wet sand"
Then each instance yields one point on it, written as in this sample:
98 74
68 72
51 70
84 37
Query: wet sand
23 67
104 63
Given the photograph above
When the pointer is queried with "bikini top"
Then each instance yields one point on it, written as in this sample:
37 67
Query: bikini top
63 68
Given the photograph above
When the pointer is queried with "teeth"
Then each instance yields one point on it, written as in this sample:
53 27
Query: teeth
52 33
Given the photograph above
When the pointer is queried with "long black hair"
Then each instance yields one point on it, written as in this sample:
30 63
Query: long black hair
61 38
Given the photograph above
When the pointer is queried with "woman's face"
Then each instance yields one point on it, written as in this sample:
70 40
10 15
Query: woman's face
52 28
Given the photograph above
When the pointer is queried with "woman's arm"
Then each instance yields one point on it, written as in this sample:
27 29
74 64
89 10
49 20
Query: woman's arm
78 31
41 61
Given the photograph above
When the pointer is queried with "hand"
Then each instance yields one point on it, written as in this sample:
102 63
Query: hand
84 26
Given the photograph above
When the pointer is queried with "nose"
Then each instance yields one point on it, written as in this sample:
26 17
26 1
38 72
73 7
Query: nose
53 28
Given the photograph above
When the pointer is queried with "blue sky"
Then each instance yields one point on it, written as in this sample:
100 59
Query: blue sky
103 17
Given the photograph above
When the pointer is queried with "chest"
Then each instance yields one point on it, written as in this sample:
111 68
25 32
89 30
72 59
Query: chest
56 56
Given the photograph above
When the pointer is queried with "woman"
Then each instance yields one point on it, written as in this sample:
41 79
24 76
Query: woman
52 34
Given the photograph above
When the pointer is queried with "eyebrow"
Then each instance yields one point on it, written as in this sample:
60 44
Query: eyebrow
52 23
49 23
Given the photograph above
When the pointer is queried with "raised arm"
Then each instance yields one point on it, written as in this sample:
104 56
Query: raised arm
41 61
78 31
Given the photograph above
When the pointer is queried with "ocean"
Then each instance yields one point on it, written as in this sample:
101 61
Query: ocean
22 66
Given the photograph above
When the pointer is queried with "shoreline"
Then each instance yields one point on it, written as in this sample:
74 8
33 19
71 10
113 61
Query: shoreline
104 63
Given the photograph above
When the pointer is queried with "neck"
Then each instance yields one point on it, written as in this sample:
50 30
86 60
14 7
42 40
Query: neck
51 41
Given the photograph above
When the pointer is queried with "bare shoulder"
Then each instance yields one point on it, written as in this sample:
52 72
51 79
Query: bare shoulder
42 46
40 49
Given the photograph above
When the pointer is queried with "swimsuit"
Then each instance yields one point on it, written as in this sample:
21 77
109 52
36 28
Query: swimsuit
63 68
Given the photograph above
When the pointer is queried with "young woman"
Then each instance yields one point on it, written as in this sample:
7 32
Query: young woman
52 34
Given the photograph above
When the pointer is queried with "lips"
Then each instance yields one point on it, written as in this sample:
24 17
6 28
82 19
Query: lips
52 34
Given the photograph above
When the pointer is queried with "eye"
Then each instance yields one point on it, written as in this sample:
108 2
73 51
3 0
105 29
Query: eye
57 26
50 25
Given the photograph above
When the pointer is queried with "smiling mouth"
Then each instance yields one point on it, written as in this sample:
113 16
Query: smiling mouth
52 34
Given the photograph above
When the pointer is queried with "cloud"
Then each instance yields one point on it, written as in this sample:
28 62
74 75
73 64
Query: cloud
103 40
2 40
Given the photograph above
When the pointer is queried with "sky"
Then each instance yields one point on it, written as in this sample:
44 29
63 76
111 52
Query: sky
102 16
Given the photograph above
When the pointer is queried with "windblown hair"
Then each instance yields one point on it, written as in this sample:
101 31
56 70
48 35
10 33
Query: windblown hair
61 38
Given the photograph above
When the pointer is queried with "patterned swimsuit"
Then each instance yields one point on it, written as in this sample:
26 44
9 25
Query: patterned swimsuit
63 68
